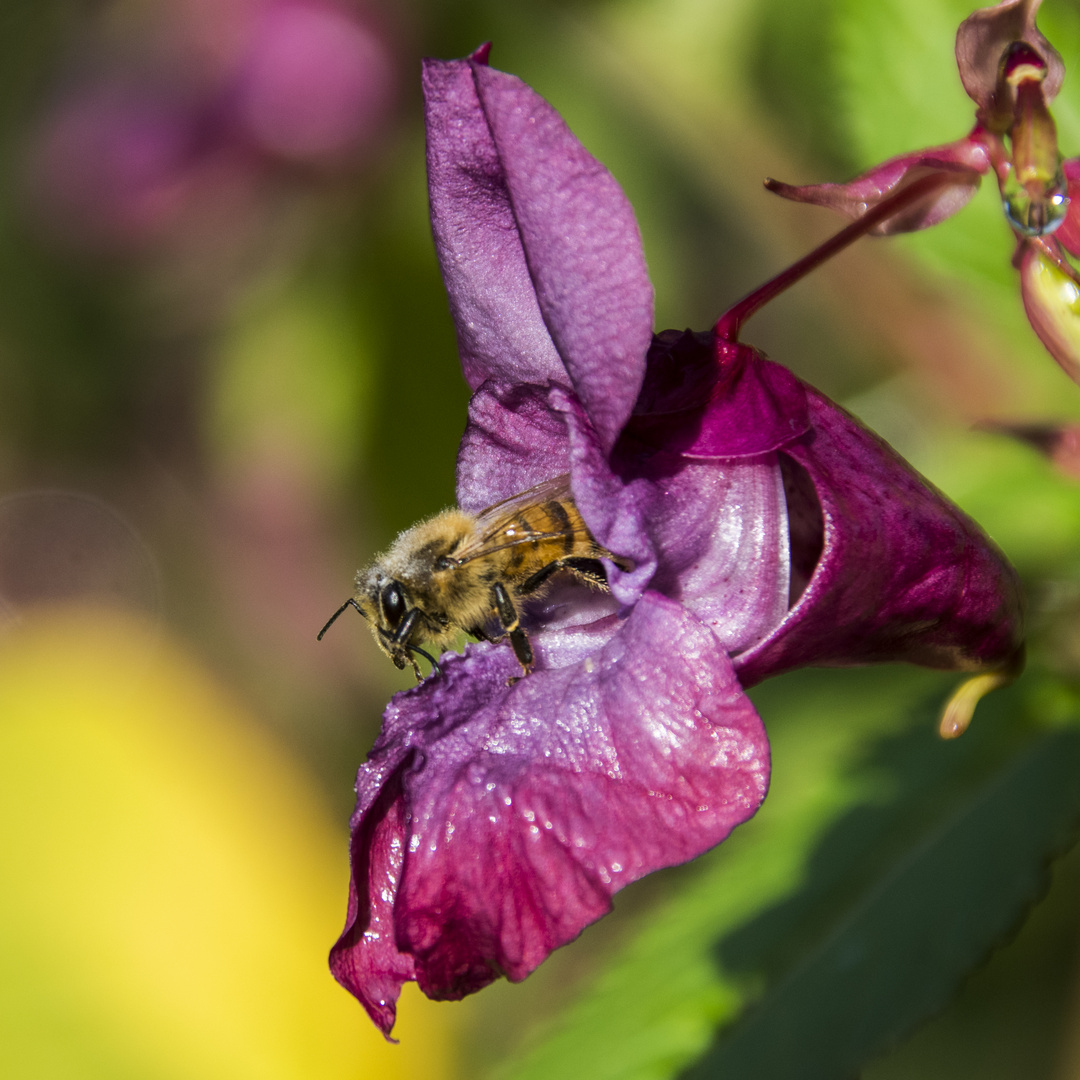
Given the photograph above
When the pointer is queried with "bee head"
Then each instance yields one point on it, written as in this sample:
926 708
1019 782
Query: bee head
397 623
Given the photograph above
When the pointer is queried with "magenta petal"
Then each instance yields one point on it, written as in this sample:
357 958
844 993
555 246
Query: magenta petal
961 164
523 810
582 245
501 332
716 399
981 42
903 574
366 960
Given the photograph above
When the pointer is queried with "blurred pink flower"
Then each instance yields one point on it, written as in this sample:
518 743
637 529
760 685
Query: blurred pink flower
315 81
183 122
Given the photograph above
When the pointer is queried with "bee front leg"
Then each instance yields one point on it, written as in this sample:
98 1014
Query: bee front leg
508 616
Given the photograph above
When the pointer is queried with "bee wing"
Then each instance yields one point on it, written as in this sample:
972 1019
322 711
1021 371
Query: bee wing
492 524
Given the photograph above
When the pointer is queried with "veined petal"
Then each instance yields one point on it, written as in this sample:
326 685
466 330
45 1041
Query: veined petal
961 165
981 42
522 810
582 246
721 529
501 331
902 574
1051 293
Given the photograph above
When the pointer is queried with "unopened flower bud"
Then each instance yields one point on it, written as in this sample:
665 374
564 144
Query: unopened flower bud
1034 192
1052 302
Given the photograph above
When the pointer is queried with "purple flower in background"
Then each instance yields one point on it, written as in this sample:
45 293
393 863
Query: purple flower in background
766 529
313 83
192 119
1012 73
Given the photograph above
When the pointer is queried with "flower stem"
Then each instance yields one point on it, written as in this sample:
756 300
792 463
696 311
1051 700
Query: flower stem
730 323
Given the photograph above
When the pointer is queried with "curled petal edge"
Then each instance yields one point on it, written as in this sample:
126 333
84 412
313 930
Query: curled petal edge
961 165
981 42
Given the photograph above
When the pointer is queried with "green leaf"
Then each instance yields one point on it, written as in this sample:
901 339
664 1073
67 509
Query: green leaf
896 953
884 865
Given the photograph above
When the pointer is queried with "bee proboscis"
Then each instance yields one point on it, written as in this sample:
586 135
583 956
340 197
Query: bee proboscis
469 572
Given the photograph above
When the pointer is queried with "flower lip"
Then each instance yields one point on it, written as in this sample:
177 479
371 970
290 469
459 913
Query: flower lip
494 823
1022 63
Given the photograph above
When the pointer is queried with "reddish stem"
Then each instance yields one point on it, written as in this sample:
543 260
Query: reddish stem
730 323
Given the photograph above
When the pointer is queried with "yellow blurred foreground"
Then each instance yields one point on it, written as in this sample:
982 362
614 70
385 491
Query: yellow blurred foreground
171 882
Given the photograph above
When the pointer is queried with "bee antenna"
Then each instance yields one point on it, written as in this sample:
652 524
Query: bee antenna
351 602
436 670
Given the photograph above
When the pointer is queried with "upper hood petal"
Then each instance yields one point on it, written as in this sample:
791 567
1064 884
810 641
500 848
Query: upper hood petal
515 438
539 246
501 332
583 247
981 42
902 575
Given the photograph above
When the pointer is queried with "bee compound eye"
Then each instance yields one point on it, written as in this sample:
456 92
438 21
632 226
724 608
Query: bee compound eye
393 603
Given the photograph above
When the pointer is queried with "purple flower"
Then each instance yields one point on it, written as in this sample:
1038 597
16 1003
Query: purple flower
767 530
1012 73
193 121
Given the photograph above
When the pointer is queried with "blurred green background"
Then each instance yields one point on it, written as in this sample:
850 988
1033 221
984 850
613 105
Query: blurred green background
228 375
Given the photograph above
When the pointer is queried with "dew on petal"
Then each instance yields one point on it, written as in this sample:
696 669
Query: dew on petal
1035 214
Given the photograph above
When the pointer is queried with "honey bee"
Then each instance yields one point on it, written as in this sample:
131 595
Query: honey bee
459 571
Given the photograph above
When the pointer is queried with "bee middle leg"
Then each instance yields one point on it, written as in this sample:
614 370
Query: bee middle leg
511 623
588 570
